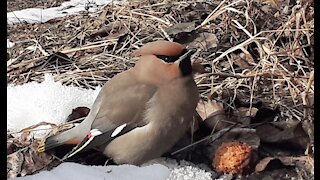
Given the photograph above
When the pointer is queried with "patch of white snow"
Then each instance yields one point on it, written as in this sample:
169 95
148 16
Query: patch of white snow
49 101
37 15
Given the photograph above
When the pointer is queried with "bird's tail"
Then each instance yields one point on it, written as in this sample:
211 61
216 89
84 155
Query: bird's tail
67 137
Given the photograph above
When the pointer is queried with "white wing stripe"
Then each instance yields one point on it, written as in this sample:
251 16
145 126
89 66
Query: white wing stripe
118 130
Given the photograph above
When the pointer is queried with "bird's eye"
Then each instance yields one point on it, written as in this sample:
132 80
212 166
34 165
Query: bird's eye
167 59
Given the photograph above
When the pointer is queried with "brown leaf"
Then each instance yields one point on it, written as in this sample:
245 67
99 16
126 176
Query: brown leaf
213 114
100 33
10 145
246 112
292 137
286 161
27 161
14 164
34 161
22 140
308 127
243 60
273 3
204 40
57 58
77 113
100 19
112 30
180 27
198 68
263 164
209 108
22 155
244 115
268 10
311 99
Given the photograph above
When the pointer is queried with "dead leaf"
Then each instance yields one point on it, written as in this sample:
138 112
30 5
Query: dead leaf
265 115
100 19
14 164
268 9
213 114
10 146
209 108
243 60
243 115
308 127
198 68
273 3
311 99
280 173
112 30
34 161
57 58
77 113
293 138
180 27
100 33
204 40
22 155
263 164
27 161
246 112
286 161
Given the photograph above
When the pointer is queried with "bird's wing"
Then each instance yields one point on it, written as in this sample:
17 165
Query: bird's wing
95 138
123 100
119 105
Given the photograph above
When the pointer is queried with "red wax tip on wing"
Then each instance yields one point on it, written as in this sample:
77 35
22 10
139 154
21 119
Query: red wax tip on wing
89 135
73 141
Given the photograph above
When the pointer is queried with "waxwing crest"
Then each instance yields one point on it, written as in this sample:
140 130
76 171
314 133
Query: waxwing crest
160 47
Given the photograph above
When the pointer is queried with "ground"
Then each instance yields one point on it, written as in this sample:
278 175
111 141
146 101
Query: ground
257 55
13 5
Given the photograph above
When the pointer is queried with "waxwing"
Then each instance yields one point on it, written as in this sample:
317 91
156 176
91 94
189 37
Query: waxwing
140 113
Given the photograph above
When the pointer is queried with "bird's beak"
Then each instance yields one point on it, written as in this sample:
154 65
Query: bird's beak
186 55
184 62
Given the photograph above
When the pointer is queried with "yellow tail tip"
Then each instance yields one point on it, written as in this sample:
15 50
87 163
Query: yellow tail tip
41 146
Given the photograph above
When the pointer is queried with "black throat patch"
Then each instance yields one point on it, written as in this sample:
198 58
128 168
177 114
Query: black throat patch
185 66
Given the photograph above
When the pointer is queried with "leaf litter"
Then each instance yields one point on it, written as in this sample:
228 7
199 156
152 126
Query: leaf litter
259 88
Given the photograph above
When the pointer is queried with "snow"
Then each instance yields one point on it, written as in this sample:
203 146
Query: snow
82 172
189 172
49 101
158 169
183 170
36 15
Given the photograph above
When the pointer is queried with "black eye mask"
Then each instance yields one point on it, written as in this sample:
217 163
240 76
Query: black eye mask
171 59
184 58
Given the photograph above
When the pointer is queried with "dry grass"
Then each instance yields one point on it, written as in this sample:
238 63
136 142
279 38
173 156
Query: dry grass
264 51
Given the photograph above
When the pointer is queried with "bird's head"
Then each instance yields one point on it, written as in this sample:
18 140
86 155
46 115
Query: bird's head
162 61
